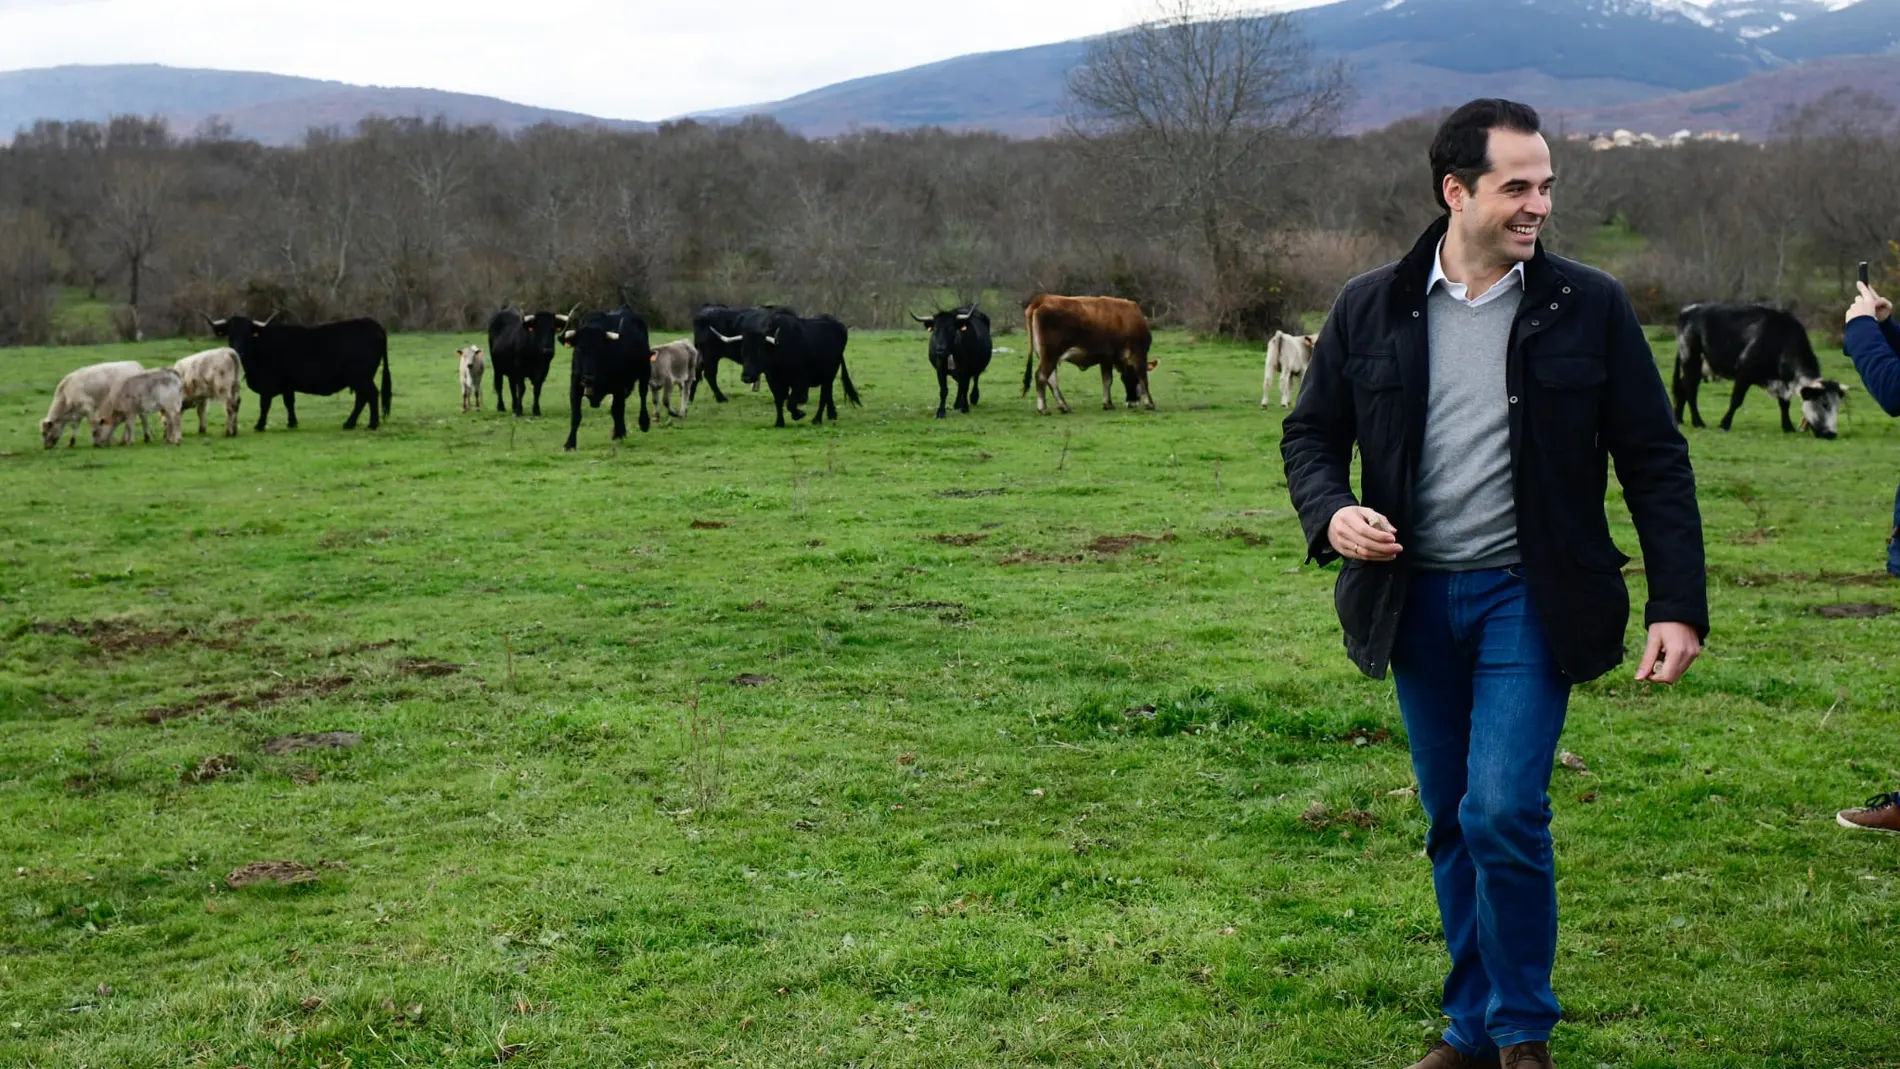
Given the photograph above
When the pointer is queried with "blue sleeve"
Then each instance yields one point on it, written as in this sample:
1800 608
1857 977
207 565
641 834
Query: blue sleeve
1874 347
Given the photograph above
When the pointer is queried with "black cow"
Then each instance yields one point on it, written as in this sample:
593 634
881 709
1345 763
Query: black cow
960 349
712 324
612 358
521 349
795 354
1754 345
284 360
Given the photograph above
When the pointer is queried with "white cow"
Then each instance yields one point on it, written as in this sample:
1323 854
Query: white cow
78 396
675 365
472 367
213 375
1288 356
160 390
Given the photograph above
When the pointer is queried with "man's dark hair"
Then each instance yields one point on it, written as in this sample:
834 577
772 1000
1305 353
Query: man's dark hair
1462 146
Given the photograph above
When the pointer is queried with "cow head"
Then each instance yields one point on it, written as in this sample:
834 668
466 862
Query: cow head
544 327
240 333
592 343
955 331
50 432
102 428
764 338
1821 407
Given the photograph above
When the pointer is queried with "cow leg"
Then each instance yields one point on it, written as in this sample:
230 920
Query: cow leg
501 380
290 410
263 410
976 388
1108 389
1266 384
943 391
518 390
574 418
200 405
645 421
1735 402
711 375
1787 426
369 398
963 395
537 397
230 416
619 410
357 410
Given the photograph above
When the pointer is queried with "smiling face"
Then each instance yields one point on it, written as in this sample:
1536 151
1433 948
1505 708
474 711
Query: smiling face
1499 219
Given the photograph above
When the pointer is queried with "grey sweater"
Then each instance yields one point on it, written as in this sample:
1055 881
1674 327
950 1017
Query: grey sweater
1466 513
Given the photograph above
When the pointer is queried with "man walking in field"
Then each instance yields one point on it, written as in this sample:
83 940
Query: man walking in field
1487 384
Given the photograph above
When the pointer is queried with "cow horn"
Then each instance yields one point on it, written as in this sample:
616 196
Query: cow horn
969 313
613 336
525 320
734 340
921 319
266 322
771 339
569 315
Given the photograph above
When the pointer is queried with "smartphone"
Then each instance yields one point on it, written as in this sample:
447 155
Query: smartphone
1863 272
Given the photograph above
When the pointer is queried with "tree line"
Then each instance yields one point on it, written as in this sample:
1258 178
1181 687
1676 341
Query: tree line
1234 220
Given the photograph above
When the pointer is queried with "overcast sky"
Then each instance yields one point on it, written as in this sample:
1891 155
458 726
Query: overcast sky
644 59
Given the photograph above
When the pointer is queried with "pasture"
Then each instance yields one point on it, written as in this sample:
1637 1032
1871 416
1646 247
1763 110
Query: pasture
998 740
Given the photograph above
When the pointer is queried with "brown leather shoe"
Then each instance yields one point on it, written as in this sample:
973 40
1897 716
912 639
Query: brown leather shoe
1526 1056
1445 1056
1881 813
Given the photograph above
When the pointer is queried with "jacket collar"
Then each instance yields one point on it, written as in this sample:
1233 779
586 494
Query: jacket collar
1416 267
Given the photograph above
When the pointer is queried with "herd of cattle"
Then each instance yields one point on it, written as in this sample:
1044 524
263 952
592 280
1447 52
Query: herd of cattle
613 360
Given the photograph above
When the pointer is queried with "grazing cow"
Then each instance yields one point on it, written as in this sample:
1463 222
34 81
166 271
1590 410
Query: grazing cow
78 396
794 354
1087 331
213 375
471 367
521 346
1288 357
284 360
960 349
612 358
160 390
675 366
1754 345
712 324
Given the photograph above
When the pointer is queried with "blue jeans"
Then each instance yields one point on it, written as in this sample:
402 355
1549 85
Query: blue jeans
1483 702
1893 540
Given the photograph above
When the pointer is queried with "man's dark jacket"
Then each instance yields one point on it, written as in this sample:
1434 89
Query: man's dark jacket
1583 389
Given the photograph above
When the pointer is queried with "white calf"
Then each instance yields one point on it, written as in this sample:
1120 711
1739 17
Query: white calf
78 397
159 390
472 367
1288 356
213 375
675 365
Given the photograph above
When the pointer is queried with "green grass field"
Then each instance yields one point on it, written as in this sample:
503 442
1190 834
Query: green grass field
1049 754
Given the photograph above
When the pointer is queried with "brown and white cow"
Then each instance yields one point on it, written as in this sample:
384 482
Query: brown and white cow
78 396
471 366
213 375
159 390
675 367
1088 332
1288 357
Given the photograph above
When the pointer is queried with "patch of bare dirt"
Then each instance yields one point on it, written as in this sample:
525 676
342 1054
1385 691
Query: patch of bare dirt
359 647
1365 737
1852 612
747 679
708 525
993 492
1031 556
281 873
427 667
334 539
1111 545
757 606
1786 578
299 741
958 539
211 767
122 636
1249 537
202 703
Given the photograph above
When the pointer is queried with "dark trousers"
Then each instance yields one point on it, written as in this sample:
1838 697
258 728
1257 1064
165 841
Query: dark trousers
1484 704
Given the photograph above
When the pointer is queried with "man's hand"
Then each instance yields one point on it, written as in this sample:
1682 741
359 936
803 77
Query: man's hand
1869 303
1675 646
1362 534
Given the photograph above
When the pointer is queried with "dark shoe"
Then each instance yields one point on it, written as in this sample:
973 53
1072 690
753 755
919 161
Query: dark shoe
1445 1056
1526 1056
1881 813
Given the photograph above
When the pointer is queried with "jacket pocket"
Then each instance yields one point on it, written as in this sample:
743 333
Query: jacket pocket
1569 396
1373 372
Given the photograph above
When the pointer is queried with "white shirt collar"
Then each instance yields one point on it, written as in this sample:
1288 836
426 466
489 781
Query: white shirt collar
1513 277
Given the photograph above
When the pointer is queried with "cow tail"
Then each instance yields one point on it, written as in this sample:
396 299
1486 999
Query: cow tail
1029 362
386 391
850 391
